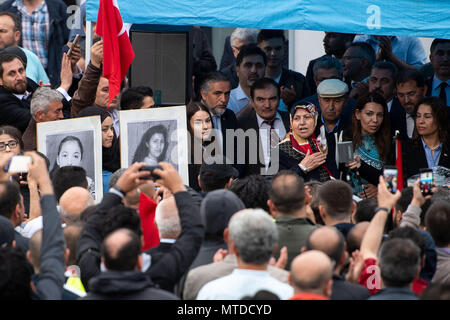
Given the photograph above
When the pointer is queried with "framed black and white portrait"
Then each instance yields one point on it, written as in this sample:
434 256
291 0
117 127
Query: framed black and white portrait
155 135
74 142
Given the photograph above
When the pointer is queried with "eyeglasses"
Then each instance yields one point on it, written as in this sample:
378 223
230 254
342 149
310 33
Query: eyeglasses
12 144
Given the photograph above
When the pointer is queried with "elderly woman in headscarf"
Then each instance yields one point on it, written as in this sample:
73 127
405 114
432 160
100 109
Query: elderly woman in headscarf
110 143
301 151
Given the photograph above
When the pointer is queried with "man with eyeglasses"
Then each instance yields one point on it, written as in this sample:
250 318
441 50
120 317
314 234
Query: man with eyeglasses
411 88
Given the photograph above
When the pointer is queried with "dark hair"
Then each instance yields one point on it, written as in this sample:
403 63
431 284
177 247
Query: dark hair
192 108
337 198
314 186
9 198
142 150
287 191
262 295
250 50
267 34
8 57
264 83
405 199
406 75
14 133
211 180
127 255
72 234
70 138
333 250
366 51
387 65
399 260
437 221
436 42
253 190
439 112
132 98
16 19
328 62
202 68
67 177
121 217
383 135
16 275
365 210
411 234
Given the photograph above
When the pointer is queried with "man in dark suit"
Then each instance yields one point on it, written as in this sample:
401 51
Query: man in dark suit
411 89
382 81
215 93
439 84
269 126
293 84
15 92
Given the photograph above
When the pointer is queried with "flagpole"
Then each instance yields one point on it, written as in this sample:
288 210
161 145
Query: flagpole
88 44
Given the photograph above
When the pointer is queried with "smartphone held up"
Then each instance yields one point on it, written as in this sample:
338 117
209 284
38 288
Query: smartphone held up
390 175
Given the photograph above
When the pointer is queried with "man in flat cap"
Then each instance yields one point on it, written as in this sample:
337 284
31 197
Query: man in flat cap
335 115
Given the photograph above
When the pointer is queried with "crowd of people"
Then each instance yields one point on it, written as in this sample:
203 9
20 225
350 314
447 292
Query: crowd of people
271 209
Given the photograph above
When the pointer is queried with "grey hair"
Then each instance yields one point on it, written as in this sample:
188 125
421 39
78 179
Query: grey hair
42 98
168 222
244 34
255 234
213 77
115 177
328 62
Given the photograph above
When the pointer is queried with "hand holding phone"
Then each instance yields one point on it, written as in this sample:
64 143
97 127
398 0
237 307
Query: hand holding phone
426 181
152 175
390 174
74 43
18 164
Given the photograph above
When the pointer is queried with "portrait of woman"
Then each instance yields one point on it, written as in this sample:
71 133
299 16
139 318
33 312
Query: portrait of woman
70 153
153 146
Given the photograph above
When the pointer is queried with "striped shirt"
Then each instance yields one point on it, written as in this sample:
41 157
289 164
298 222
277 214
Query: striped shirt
35 29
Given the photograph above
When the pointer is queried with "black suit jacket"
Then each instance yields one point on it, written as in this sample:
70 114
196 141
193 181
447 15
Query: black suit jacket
397 117
13 111
246 119
414 159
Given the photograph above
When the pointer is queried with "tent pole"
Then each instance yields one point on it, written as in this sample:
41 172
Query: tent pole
291 49
88 42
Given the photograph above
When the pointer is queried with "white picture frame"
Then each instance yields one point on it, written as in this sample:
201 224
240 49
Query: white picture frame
135 124
87 131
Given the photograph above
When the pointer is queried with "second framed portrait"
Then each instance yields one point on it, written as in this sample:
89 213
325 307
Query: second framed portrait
155 135
74 142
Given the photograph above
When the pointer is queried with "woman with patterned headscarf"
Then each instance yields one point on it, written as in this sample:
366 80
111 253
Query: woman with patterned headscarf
301 151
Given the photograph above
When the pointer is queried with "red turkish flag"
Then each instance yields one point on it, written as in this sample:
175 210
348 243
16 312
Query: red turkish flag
117 50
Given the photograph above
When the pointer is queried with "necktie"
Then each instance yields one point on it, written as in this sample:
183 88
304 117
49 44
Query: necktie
443 94
274 138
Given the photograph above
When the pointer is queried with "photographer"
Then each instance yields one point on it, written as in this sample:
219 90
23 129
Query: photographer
171 266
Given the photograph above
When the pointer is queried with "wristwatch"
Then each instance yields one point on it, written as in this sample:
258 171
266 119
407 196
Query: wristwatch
304 168
383 209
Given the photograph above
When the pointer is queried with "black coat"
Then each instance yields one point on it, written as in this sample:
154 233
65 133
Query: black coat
230 72
13 111
246 120
414 159
344 290
397 117
125 285
168 270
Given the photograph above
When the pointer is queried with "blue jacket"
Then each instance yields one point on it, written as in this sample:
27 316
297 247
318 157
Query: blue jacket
58 37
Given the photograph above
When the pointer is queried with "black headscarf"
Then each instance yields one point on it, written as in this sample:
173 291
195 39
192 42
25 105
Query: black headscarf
111 156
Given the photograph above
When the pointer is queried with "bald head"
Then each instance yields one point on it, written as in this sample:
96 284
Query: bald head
355 236
73 201
317 280
121 249
167 219
328 240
